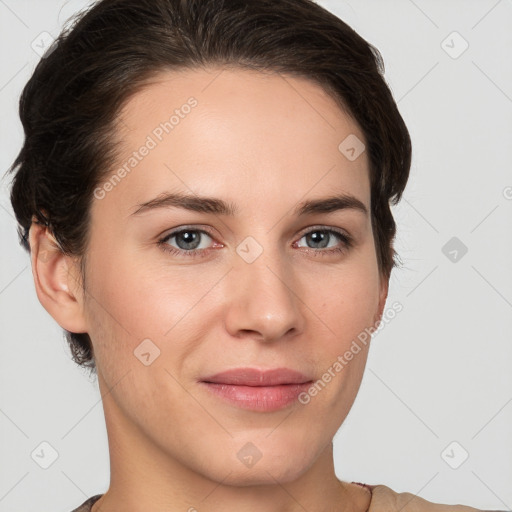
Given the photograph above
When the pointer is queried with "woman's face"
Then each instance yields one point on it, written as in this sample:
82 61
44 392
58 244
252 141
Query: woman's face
176 294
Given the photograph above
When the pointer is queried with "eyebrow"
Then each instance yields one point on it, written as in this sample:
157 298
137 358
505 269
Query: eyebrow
217 206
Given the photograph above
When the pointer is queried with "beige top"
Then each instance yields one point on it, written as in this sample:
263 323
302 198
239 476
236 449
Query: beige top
383 499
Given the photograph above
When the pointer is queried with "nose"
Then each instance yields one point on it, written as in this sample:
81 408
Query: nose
264 303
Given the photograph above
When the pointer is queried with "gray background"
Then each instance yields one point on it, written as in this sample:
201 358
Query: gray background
438 373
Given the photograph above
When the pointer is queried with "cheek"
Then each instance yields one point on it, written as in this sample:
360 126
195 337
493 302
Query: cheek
118 318
347 302
135 301
131 301
346 312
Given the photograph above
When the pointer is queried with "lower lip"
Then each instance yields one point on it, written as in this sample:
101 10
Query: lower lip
258 398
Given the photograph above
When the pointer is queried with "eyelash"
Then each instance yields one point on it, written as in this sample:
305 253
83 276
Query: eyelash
346 240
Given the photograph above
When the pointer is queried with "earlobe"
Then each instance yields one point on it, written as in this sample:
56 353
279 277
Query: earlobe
56 279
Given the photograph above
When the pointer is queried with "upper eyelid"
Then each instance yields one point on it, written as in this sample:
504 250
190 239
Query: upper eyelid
206 229
176 231
322 227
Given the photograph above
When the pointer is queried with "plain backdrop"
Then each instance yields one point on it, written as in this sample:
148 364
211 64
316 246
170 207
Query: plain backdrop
434 412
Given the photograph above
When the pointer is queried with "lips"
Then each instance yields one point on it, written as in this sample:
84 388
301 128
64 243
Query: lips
255 377
257 390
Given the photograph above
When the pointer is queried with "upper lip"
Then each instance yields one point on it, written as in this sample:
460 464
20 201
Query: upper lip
256 377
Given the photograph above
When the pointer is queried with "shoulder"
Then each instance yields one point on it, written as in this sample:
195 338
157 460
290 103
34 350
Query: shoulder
385 499
87 504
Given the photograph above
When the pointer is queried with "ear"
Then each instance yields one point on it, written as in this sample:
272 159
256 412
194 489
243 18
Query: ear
383 295
56 279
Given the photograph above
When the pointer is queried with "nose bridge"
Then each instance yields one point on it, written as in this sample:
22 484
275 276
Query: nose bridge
263 298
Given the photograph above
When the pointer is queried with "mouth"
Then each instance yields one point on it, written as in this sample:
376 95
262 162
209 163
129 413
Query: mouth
258 390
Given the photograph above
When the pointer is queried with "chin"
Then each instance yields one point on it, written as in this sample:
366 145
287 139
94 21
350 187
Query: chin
261 474
263 466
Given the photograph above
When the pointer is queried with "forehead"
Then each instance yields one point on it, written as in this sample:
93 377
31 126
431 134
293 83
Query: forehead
227 132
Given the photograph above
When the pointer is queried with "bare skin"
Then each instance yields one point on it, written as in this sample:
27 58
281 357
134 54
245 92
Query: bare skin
263 144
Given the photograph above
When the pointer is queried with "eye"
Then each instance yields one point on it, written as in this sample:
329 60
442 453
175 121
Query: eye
321 238
189 241
192 242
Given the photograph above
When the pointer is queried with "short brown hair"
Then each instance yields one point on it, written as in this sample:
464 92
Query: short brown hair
69 106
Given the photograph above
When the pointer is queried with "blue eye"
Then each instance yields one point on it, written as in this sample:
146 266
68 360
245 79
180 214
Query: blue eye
324 236
190 240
